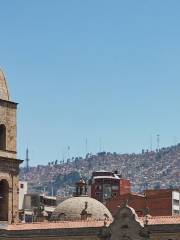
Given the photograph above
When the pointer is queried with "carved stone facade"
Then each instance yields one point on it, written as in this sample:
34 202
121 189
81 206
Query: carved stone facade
9 165
126 226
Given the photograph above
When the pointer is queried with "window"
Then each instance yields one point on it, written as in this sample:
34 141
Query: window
176 202
21 185
115 187
2 137
114 194
176 212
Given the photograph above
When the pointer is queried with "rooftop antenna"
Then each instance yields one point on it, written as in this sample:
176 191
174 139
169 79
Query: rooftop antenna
27 160
175 140
151 143
158 141
52 189
63 156
68 150
100 144
86 143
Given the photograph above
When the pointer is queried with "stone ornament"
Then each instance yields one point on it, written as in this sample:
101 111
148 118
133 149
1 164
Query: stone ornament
126 226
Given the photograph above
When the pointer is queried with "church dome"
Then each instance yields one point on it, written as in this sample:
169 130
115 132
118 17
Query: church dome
4 94
80 208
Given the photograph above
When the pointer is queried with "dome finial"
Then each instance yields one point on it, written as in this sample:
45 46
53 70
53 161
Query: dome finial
4 93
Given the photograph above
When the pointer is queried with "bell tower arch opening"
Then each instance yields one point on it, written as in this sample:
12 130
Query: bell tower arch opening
4 200
2 137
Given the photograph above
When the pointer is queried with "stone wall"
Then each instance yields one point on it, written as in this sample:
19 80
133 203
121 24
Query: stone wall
165 236
10 174
157 233
53 234
8 118
164 232
9 165
54 238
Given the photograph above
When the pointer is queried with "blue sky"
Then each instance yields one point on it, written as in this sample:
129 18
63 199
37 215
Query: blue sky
106 70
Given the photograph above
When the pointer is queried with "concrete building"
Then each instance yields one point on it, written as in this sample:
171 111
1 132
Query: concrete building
23 189
34 203
175 202
108 185
9 164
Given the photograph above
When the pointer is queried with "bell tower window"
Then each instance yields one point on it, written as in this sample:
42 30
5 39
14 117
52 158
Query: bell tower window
2 137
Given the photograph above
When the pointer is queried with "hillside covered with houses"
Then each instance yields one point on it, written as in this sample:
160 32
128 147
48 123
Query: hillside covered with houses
148 170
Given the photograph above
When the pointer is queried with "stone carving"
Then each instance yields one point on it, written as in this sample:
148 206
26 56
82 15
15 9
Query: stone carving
84 214
126 226
9 166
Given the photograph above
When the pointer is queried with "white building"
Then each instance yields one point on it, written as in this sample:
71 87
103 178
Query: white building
175 202
23 188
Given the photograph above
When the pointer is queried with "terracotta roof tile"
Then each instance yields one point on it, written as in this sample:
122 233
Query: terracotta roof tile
158 220
55 225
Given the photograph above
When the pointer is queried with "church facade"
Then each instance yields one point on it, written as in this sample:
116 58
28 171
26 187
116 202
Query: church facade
9 164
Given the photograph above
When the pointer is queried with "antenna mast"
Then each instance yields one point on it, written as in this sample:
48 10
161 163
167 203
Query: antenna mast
27 160
86 143
158 141
100 144
151 143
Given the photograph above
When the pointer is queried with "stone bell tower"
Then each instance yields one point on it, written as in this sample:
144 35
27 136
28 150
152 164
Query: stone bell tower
9 164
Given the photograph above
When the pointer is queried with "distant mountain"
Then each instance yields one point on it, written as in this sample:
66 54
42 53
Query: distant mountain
148 170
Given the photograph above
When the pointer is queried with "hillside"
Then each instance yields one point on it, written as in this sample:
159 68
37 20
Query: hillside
146 170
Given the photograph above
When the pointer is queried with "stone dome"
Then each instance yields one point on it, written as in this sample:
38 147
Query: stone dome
80 208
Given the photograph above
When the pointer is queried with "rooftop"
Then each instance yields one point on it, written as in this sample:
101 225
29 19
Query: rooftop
55 225
159 220
162 220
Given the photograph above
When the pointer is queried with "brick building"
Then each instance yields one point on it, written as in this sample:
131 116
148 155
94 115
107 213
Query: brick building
106 185
9 164
162 202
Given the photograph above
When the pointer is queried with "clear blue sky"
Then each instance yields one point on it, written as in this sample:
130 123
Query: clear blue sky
95 69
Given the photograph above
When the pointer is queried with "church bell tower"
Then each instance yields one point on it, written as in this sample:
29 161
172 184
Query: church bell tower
9 164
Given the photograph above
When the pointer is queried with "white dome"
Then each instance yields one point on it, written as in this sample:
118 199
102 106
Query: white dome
74 208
